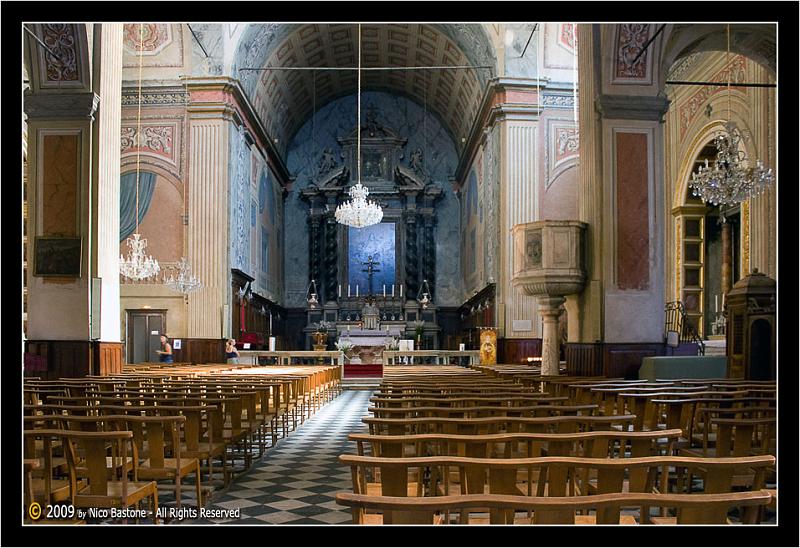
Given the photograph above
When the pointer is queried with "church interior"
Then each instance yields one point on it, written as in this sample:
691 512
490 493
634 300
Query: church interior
399 273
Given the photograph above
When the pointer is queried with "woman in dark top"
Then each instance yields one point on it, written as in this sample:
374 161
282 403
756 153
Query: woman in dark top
165 354
231 352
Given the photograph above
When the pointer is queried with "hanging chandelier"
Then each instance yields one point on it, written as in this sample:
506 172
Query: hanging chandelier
358 212
186 282
730 180
138 265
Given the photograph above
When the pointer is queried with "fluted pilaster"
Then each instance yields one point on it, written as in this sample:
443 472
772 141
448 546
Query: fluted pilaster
208 224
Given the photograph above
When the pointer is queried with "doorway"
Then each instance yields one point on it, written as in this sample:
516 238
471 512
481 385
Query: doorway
144 334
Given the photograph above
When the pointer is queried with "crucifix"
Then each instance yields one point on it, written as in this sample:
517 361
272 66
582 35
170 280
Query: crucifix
370 270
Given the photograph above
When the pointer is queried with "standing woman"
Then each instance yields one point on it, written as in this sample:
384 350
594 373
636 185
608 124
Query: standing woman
165 354
231 352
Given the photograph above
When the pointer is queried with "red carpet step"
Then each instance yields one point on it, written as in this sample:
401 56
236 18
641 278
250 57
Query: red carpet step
360 370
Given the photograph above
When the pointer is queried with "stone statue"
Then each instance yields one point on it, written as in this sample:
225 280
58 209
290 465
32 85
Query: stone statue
327 162
372 122
371 315
415 162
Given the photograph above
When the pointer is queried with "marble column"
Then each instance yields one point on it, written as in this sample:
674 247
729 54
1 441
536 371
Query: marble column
314 240
331 258
549 310
412 257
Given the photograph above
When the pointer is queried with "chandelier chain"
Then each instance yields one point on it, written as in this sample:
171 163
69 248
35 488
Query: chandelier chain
358 212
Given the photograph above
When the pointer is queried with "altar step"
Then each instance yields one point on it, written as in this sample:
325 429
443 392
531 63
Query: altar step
362 376
363 370
361 384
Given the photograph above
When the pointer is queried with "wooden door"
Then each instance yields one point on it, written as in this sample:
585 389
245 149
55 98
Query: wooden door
144 334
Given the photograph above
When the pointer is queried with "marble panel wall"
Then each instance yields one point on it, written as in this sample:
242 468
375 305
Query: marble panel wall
254 195
408 119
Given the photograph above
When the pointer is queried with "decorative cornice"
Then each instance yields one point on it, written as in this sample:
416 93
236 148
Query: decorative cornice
632 107
490 111
161 96
61 105
241 111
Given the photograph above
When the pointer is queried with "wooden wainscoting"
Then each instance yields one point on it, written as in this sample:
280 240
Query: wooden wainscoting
200 351
517 350
584 359
75 358
107 357
616 359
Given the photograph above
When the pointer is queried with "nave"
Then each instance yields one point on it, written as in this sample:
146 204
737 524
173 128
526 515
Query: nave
296 482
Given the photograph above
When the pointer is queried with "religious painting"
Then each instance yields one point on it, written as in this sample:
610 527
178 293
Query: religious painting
57 257
371 250
488 347
533 249
373 164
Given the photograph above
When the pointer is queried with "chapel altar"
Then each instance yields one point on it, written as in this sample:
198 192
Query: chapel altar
372 279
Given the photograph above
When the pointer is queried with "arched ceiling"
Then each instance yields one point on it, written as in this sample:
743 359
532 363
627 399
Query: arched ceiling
284 99
755 41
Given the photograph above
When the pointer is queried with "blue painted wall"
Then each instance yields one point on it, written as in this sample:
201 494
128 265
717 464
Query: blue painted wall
337 119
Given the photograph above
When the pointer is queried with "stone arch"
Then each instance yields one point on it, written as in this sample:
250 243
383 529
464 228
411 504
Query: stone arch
756 42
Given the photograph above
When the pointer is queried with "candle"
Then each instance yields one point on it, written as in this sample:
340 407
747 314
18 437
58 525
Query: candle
348 290
384 291
340 291
401 291
356 290
392 290
723 301
716 304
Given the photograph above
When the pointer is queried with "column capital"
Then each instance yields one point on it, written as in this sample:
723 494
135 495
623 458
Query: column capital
632 107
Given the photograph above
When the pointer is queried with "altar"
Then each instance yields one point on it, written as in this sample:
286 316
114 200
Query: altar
369 344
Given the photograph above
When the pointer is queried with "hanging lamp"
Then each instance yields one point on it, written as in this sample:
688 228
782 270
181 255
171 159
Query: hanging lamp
730 180
358 212
138 266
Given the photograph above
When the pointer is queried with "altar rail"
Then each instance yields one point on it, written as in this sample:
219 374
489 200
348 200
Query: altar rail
292 357
431 357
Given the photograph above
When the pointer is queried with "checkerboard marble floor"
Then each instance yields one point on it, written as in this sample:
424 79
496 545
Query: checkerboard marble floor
296 481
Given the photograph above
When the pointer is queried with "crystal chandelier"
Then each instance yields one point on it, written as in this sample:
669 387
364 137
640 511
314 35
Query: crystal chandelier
138 266
730 180
186 282
358 212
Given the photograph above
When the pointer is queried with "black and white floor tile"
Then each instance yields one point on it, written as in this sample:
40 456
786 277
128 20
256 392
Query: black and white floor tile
296 481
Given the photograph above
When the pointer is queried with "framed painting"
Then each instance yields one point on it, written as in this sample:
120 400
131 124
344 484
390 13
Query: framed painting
57 256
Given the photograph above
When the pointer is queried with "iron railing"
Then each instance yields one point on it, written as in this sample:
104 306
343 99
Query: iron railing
677 321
